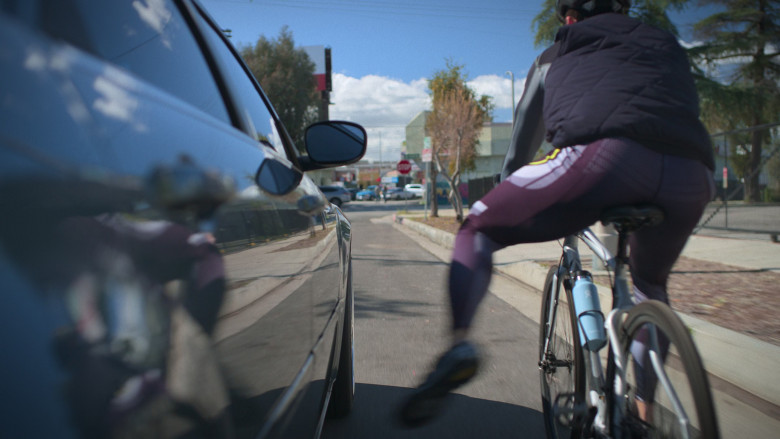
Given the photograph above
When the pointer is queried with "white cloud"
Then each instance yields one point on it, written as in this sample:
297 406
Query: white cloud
500 88
114 101
384 106
376 100
154 13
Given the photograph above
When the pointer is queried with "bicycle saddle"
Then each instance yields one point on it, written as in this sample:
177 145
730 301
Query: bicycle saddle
629 218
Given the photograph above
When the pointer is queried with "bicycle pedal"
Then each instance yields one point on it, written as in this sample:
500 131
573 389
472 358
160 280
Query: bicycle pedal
569 410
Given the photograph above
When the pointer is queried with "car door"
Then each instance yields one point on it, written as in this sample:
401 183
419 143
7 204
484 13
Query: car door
116 179
309 258
167 103
183 275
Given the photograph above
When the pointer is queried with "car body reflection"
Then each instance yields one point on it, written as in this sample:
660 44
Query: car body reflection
168 269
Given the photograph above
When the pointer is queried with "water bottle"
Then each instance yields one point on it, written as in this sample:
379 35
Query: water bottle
588 309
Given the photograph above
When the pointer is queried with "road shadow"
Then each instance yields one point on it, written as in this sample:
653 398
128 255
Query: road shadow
375 416
372 206
394 260
367 306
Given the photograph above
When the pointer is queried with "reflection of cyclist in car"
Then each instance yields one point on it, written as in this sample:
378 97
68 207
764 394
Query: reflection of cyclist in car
617 100
124 296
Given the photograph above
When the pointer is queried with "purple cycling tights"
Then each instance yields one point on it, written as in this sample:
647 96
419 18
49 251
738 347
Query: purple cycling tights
567 192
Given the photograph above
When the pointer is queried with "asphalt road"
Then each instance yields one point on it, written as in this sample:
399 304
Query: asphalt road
401 326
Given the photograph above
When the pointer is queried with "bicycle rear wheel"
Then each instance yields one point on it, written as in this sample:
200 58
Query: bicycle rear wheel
561 372
665 379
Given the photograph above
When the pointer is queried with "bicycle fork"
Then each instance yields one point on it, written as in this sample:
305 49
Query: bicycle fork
569 409
570 258
593 413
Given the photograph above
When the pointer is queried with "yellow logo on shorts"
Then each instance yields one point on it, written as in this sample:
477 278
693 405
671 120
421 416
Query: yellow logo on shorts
550 156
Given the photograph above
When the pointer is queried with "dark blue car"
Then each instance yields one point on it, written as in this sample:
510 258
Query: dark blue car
167 268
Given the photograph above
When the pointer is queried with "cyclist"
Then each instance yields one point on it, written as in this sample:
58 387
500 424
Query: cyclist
615 97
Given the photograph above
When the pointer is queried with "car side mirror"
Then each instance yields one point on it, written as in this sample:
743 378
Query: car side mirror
333 143
277 178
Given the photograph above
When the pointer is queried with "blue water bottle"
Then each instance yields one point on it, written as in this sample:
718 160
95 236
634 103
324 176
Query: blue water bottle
588 309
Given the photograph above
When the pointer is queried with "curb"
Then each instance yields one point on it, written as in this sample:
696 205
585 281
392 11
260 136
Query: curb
740 360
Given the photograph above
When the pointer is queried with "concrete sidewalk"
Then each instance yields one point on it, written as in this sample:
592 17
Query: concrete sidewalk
746 363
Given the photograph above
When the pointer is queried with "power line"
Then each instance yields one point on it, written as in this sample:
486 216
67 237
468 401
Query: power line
381 9
466 20
434 8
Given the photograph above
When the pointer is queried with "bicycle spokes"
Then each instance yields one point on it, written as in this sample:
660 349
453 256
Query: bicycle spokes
657 351
550 364
667 395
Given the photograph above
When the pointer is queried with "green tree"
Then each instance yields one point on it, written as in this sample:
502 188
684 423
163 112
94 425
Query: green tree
653 12
454 125
286 75
743 36
739 154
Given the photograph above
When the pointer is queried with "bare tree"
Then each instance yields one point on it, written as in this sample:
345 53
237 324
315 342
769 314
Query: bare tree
454 125
455 122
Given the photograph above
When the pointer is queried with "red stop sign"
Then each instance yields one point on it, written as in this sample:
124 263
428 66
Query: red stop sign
403 167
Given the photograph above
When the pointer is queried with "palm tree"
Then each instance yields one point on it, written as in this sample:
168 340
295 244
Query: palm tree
737 70
653 12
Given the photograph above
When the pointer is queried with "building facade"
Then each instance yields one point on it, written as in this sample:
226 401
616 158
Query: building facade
492 147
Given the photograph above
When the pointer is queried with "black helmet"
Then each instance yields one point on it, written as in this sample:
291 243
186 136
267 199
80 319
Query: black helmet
591 7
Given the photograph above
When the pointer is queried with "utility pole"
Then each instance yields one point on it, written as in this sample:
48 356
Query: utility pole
325 94
512 78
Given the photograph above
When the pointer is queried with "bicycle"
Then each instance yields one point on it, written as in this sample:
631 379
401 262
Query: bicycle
578 399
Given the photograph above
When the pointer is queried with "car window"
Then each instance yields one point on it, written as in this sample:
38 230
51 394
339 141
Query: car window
251 106
149 39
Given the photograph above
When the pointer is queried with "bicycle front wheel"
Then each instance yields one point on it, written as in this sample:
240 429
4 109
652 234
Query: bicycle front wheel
561 371
667 393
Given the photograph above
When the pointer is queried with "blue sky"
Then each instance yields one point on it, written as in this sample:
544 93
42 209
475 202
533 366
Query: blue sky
384 50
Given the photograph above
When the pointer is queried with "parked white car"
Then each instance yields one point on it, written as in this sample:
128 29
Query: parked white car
417 190
397 193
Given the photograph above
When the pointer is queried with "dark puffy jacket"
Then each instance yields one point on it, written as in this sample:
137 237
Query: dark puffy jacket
613 76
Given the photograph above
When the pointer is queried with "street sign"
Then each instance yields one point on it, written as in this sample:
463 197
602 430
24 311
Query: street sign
404 166
427 155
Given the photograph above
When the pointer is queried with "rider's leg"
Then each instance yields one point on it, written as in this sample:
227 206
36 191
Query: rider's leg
543 201
539 202
506 216
684 192
470 272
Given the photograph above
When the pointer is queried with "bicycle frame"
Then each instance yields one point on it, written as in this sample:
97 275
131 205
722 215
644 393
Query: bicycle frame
600 394
596 388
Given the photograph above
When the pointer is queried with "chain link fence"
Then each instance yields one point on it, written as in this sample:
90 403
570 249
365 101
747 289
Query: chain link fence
734 209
